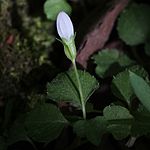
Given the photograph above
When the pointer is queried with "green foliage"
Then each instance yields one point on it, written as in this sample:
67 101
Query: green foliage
17 131
110 62
53 7
24 46
119 119
141 89
45 123
121 85
64 87
134 23
141 122
92 129
70 48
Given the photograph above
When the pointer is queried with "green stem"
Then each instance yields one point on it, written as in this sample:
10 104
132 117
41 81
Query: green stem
80 89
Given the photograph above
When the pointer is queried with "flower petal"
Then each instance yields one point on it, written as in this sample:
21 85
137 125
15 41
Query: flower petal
64 26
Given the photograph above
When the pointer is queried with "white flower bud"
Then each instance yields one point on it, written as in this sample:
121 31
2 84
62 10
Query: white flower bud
64 26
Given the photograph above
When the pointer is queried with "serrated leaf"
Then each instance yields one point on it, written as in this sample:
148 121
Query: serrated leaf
64 87
121 86
141 89
134 23
119 119
53 7
45 123
112 113
91 129
110 62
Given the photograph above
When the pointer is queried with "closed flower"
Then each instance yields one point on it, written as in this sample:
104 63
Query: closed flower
66 32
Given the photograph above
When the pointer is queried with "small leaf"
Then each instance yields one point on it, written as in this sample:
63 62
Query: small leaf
53 7
112 113
141 123
134 23
119 120
91 129
121 85
110 62
141 89
45 123
64 87
80 128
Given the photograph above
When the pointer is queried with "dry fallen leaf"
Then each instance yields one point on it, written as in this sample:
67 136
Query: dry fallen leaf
96 39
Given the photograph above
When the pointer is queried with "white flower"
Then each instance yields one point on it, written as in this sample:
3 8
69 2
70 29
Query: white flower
66 32
64 26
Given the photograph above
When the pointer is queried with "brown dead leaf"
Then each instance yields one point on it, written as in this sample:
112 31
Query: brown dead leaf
96 39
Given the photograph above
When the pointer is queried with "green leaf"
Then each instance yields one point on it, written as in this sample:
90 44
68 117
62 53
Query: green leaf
64 87
110 62
45 123
134 23
119 119
53 7
115 113
121 85
141 124
17 132
3 145
91 129
141 89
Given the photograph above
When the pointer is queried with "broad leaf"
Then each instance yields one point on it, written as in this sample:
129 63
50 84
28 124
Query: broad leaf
119 120
45 123
134 23
121 85
110 62
141 89
17 132
53 7
64 87
141 124
91 129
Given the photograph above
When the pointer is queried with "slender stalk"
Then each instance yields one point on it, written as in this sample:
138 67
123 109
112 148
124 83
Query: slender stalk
80 89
